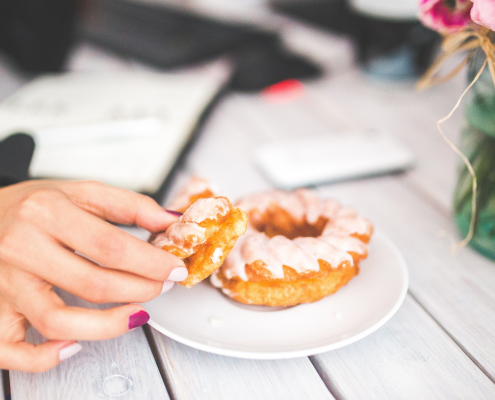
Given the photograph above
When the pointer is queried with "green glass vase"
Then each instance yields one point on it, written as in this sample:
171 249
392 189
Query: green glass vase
478 145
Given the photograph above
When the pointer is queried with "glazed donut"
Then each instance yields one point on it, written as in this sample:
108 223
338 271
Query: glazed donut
203 236
297 249
196 188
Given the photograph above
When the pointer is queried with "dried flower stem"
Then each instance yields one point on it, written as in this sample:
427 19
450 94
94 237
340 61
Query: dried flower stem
466 161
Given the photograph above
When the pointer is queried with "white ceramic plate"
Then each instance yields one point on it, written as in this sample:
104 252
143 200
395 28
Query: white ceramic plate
204 318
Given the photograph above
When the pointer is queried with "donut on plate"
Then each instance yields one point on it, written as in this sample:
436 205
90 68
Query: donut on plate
203 236
196 188
298 248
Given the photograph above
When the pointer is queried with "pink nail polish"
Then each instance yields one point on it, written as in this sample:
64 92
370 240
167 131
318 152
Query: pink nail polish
69 351
138 319
178 274
167 285
175 213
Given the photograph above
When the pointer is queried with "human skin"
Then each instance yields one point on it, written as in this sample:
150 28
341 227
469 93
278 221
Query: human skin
42 225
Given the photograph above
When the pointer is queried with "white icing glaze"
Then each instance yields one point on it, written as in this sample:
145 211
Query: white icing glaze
217 255
348 226
301 254
312 204
262 201
193 187
187 228
324 251
204 209
178 233
346 212
234 264
289 253
255 247
215 281
330 208
346 243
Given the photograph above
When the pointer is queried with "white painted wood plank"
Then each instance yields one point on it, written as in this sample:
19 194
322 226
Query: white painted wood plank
406 113
458 291
410 358
101 370
225 149
195 374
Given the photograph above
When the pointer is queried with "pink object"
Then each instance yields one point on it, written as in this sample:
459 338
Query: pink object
441 16
483 13
175 213
284 91
69 351
138 319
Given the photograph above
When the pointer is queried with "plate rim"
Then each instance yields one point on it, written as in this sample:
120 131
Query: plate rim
280 355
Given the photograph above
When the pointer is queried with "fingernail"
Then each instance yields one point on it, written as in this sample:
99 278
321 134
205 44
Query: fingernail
69 351
138 319
178 274
167 285
176 213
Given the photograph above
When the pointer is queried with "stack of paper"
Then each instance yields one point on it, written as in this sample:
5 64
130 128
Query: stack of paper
125 128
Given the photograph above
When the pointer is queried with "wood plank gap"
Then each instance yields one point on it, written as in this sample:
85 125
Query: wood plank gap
464 350
326 379
158 360
6 384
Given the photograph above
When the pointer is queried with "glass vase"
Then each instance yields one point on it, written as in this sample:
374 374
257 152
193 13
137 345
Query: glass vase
478 145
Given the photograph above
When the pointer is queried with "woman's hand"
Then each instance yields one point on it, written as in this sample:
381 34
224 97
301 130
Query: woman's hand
42 224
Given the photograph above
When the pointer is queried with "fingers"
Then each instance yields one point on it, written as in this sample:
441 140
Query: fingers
85 279
110 246
22 356
113 247
119 205
54 320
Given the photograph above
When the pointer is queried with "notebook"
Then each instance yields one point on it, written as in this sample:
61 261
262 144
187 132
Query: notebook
124 128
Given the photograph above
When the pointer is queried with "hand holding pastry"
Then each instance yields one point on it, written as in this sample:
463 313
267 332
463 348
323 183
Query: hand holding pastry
42 224
205 233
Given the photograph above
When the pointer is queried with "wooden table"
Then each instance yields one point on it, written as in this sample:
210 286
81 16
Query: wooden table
439 345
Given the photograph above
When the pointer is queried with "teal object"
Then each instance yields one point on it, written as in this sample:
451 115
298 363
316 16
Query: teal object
478 145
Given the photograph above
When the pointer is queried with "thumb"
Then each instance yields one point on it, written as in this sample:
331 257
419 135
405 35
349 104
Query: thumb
23 356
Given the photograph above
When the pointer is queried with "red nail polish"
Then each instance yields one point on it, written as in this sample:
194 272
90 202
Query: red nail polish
176 213
138 319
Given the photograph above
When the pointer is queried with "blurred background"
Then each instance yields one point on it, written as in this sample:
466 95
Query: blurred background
123 90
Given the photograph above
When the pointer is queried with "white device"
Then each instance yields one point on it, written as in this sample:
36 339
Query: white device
335 157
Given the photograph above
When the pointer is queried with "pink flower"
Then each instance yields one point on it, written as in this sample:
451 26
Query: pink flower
483 13
446 16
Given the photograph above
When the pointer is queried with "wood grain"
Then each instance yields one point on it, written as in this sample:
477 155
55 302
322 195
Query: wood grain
409 358
102 370
458 291
195 374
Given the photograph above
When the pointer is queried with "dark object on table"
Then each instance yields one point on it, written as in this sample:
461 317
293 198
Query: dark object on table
263 64
169 38
388 46
16 152
37 33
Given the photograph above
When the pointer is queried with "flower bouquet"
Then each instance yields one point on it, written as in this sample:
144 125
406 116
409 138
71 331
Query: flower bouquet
468 27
